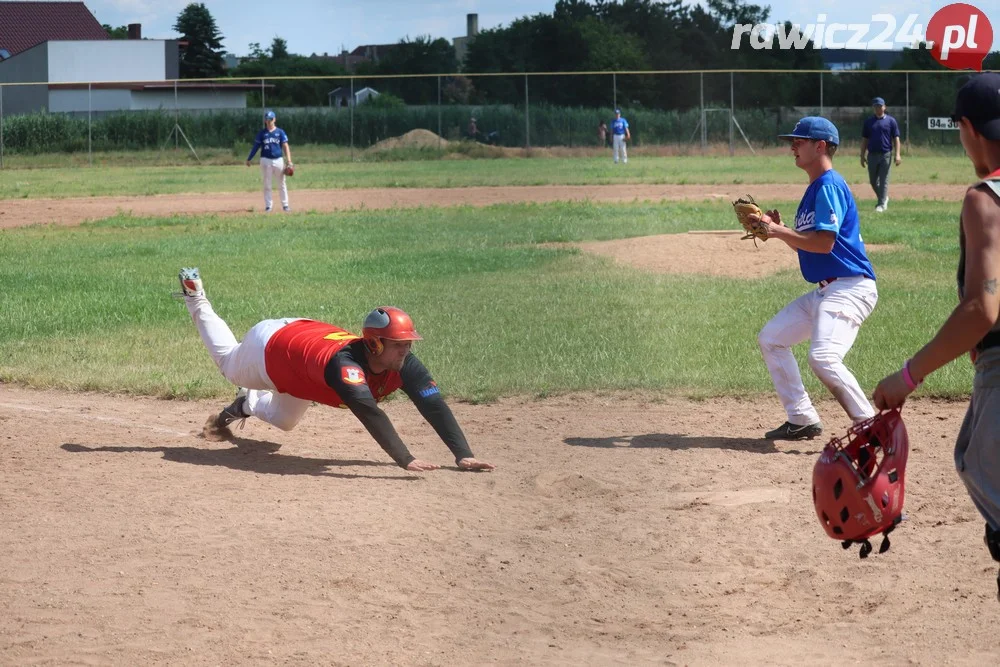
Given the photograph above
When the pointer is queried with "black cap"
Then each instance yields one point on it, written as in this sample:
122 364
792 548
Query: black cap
979 101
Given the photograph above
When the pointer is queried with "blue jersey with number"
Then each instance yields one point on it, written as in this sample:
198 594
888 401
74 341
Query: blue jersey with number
828 206
618 126
269 143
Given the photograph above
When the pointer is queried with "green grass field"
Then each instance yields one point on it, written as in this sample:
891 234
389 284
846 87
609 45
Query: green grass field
324 168
89 307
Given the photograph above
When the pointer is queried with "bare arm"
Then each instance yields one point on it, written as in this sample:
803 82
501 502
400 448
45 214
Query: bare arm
288 153
864 151
897 145
975 314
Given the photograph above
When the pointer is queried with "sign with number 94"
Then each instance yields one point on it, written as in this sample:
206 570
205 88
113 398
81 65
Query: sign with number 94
941 123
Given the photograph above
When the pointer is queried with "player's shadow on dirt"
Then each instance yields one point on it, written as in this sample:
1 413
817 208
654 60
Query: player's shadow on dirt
677 441
252 456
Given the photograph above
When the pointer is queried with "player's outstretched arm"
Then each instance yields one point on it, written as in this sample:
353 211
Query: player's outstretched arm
423 391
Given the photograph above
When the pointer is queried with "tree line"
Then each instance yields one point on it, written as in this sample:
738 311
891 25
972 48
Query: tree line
582 36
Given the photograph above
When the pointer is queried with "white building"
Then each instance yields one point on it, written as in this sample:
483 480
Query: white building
77 76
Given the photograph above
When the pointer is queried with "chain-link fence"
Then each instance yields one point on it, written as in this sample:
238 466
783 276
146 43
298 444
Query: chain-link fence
736 111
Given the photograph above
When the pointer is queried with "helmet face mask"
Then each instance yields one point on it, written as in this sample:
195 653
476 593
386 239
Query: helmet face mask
859 480
390 323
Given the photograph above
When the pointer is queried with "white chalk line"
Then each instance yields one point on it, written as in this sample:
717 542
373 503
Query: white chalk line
63 414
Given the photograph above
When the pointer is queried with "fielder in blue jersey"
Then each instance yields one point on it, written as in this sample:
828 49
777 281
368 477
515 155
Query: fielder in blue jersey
832 256
274 155
619 135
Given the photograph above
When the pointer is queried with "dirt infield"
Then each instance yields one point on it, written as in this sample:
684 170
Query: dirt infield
615 531
71 211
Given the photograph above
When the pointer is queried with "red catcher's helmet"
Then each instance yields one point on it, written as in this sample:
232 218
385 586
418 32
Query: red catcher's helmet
859 486
387 322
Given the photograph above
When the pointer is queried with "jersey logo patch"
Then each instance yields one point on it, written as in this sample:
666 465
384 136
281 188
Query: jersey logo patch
430 390
352 375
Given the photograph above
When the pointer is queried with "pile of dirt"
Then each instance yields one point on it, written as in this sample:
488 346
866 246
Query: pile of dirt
712 253
418 138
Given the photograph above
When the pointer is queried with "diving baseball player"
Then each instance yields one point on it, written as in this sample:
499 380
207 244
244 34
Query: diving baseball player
619 135
832 256
274 151
284 365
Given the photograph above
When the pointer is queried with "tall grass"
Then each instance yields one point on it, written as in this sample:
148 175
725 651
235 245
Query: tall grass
501 313
542 125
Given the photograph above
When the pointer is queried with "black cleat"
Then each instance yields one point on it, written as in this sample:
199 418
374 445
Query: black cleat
234 411
790 431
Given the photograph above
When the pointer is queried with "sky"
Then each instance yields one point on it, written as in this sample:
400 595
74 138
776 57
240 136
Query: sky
328 26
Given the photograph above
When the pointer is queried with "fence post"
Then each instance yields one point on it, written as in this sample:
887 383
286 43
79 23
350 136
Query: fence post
527 125
907 112
821 93
350 103
90 107
614 90
704 130
177 120
1 127
439 112
732 112
262 105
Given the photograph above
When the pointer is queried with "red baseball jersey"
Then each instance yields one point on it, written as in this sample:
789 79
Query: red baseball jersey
297 355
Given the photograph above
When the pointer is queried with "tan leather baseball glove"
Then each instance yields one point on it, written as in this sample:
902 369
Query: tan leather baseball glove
755 229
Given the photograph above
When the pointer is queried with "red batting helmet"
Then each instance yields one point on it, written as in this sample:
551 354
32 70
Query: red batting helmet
859 485
387 322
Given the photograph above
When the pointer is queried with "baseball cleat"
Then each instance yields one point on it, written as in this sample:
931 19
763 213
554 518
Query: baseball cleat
286 209
191 282
234 411
790 431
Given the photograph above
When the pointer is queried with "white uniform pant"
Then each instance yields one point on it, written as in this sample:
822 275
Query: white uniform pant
270 170
618 146
830 318
242 363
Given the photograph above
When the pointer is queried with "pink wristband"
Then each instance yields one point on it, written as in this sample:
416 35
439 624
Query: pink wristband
907 378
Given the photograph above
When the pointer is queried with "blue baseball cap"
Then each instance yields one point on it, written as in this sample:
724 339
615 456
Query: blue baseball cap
814 127
618 110
878 102
269 115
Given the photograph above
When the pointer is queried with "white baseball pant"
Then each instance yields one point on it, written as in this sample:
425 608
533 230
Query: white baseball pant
271 169
618 145
242 363
830 318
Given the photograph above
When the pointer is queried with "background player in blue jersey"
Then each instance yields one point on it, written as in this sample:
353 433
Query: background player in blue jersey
619 135
832 255
274 152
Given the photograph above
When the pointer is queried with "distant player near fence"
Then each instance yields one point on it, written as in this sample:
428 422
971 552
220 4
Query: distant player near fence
619 135
274 151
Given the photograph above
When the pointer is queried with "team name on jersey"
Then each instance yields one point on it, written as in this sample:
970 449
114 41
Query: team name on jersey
808 220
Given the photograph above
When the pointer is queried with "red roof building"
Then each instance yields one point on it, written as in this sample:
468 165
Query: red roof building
27 24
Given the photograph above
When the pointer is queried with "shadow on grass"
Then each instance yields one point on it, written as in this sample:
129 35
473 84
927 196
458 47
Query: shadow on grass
253 456
677 441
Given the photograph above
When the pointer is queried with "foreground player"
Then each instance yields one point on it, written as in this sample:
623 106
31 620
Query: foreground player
282 366
972 326
832 255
